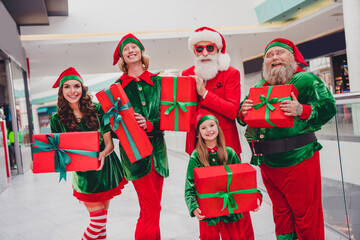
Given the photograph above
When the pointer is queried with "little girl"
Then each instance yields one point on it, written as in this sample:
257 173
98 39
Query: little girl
211 151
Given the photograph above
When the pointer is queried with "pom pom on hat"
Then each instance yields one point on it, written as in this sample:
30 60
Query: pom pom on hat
68 74
289 45
202 117
125 40
211 35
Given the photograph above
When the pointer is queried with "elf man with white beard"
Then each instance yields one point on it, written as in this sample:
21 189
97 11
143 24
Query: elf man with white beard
218 87
289 157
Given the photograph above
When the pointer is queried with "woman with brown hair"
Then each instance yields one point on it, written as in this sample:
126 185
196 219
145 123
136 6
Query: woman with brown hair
211 151
77 113
147 174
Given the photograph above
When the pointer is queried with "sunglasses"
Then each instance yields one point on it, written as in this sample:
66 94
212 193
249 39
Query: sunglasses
209 48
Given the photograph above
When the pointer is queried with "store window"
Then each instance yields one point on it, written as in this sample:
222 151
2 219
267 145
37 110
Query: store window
333 70
341 75
21 115
44 115
321 67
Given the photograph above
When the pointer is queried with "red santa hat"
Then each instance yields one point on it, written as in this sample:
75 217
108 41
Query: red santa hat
68 74
289 45
211 35
125 40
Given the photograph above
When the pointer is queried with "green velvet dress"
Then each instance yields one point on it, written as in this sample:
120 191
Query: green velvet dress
313 92
190 193
95 186
144 95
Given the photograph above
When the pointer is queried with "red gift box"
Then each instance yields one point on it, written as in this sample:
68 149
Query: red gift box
266 112
178 103
213 185
81 147
132 137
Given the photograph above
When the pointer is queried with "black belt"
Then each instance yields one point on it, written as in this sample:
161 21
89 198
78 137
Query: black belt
259 147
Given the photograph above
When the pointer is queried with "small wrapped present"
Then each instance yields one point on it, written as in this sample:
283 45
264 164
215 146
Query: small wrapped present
226 189
120 114
266 112
178 103
61 152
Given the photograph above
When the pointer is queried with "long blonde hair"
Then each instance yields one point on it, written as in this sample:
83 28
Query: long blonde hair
221 152
145 59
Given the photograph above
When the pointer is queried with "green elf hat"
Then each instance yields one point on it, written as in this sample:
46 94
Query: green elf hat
202 117
68 74
289 45
125 40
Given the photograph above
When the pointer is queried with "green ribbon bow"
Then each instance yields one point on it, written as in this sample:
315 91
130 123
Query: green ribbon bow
114 111
61 155
268 103
229 201
176 105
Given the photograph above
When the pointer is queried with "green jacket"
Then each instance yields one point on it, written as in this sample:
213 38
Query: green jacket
312 92
190 193
144 96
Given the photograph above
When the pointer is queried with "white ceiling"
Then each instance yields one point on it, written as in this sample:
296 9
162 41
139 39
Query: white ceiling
87 39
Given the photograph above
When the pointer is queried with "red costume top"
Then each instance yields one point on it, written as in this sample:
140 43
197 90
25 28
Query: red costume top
223 101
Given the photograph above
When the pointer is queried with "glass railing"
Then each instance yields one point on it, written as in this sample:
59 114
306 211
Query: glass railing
340 169
340 165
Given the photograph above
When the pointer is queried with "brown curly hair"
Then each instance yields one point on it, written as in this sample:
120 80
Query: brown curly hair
87 108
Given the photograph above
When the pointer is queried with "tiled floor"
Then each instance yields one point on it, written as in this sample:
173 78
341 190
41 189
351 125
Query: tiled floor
38 207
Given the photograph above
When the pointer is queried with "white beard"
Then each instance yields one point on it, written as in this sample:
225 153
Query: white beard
279 75
206 70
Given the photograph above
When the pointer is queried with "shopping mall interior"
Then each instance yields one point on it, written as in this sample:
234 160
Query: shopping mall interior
41 38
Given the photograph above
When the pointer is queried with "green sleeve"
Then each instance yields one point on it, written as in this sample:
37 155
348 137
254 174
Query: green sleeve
55 124
156 119
155 123
312 91
190 193
233 158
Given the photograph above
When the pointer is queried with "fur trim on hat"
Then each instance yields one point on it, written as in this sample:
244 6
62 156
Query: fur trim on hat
205 35
223 61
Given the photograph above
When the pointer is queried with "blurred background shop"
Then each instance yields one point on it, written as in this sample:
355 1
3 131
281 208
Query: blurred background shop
40 38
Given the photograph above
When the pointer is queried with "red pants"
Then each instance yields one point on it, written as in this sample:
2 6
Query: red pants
149 191
295 193
245 226
227 231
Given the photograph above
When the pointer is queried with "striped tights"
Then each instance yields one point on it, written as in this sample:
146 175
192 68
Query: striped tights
97 226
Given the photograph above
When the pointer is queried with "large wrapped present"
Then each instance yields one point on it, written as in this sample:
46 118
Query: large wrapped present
61 152
178 103
120 114
226 189
266 112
